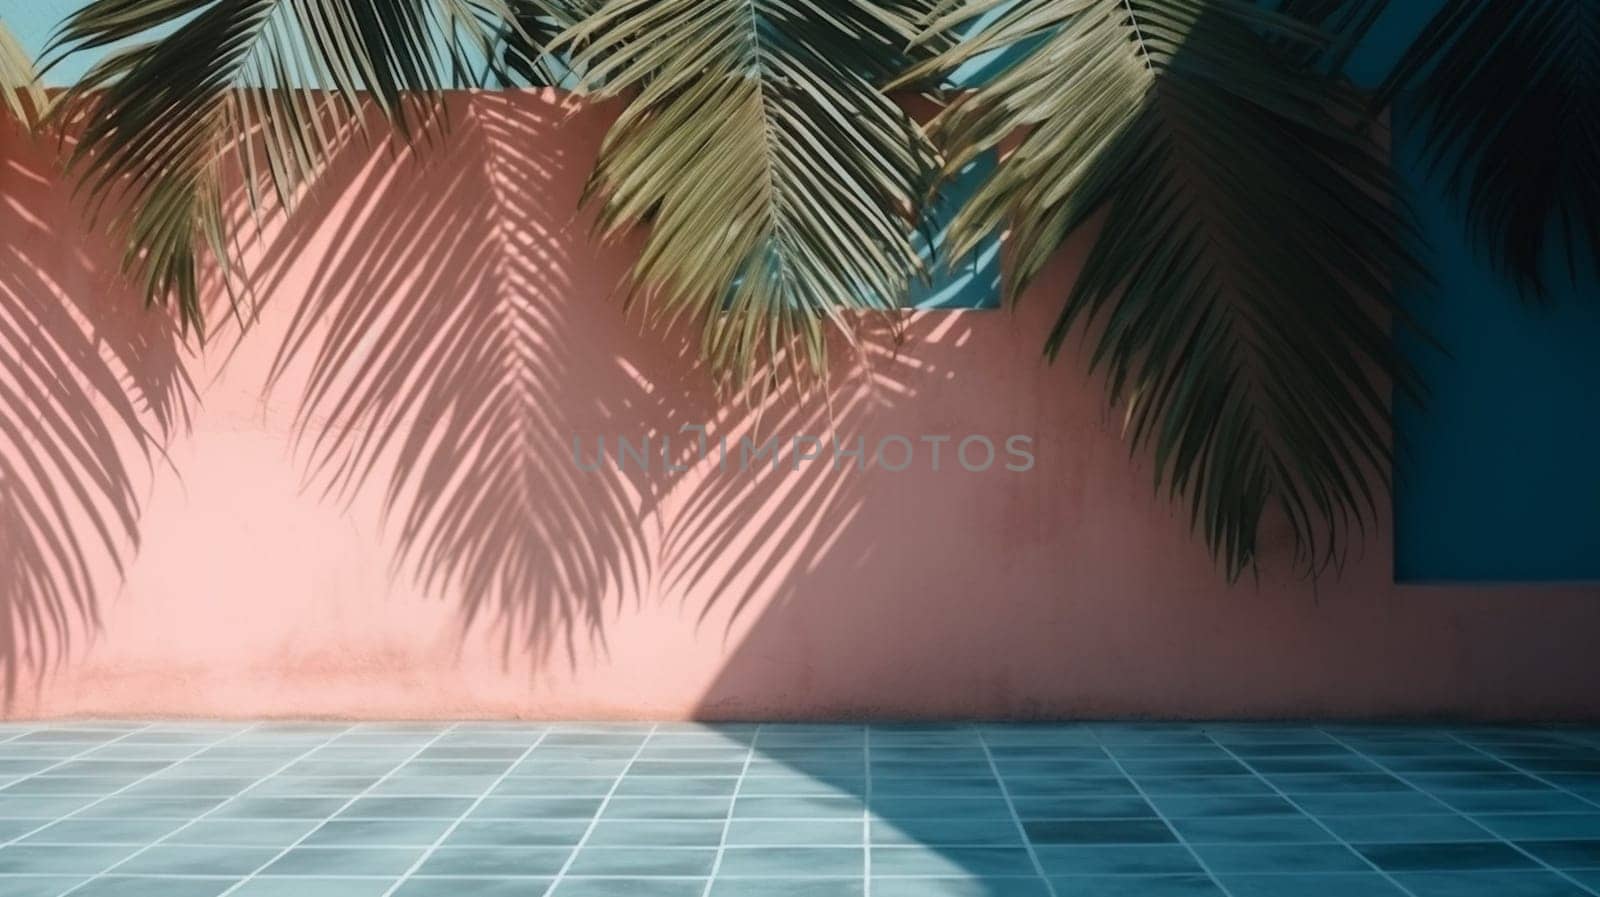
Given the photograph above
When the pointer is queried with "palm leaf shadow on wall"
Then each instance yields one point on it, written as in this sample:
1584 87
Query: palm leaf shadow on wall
434 343
461 327
90 389
773 533
1248 350
1217 344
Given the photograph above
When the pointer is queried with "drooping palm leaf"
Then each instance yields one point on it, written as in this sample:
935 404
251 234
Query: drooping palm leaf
20 93
778 179
1508 96
267 83
524 47
1237 292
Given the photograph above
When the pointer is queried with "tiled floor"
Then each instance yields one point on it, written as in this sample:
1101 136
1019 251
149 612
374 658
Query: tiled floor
583 810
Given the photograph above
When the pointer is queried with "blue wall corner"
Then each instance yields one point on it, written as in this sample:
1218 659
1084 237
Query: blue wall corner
1495 478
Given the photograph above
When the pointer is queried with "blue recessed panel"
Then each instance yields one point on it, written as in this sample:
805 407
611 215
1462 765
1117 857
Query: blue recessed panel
1496 479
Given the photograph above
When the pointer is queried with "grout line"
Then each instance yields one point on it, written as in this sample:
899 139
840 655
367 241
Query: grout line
1470 820
1538 777
1309 815
105 797
445 835
866 813
161 840
345 806
727 824
1199 860
594 823
71 759
1011 807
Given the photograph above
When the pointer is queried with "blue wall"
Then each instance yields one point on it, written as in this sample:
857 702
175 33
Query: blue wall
34 23
1497 478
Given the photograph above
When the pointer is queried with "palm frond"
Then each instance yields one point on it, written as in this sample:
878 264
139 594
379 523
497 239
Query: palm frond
20 93
268 84
524 55
1508 97
1344 22
1237 292
778 180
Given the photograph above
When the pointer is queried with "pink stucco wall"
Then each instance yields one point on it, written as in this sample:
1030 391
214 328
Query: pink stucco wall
363 504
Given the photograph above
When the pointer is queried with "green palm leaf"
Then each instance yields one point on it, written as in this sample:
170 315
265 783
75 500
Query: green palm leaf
778 180
270 84
20 93
1237 292
1509 98
523 50
1345 22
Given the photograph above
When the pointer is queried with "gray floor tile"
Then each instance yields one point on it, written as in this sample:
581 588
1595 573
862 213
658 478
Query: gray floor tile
952 861
778 887
1140 886
119 886
377 833
632 862
1403 829
495 861
517 833
1152 859
1537 826
942 832
1231 859
407 808
670 833
962 887
36 885
1490 884
1565 854
325 861
34 859
165 859
243 832
1251 830
1442 856
1099 831
1358 884
473 887
631 887
263 886
103 831
778 862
